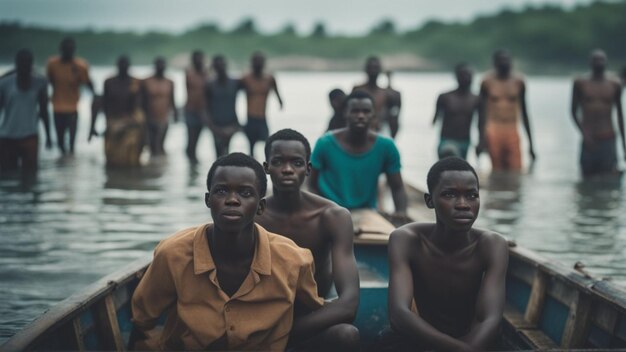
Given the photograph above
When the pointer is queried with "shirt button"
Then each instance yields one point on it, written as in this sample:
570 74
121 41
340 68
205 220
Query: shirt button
232 327
228 309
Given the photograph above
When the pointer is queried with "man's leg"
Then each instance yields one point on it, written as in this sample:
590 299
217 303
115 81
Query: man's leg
194 127
8 156
28 150
162 133
340 337
153 138
59 125
72 124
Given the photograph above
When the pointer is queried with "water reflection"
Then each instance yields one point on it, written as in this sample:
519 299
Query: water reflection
501 201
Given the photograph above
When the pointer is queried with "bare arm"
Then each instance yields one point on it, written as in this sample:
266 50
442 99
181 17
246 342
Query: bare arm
438 108
526 121
401 286
173 103
482 119
314 181
398 193
275 89
620 114
208 97
338 222
491 297
575 105
43 113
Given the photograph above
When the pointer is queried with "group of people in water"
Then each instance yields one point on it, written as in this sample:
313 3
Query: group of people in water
278 272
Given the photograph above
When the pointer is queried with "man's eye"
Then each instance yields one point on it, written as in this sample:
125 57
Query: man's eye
276 162
473 196
448 195
298 163
220 191
246 193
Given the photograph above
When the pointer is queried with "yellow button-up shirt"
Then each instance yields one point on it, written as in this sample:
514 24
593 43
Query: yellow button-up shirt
183 279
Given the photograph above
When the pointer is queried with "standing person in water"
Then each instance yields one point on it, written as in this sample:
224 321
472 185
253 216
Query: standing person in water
456 109
221 98
66 74
23 102
121 102
323 227
158 103
195 109
258 85
502 100
233 285
336 98
346 163
394 104
593 99
453 272
380 95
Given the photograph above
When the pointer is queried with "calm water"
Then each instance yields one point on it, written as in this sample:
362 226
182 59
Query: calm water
80 221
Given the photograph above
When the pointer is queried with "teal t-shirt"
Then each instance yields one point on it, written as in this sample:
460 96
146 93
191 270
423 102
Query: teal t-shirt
351 180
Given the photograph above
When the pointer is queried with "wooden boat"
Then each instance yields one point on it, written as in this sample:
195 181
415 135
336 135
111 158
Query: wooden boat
548 307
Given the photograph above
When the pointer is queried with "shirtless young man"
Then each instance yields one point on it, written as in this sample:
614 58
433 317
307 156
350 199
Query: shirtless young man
158 102
456 110
394 104
195 109
502 100
66 74
323 227
594 96
455 273
233 284
258 86
373 68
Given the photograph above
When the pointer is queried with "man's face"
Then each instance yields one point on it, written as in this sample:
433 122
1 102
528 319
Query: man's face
24 66
337 101
258 62
455 200
287 164
234 198
68 48
464 77
159 67
220 66
123 64
359 114
198 61
598 62
372 69
503 63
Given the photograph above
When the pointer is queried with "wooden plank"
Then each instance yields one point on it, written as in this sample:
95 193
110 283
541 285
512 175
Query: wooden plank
107 325
604 316
537 297
367 221
563 290
79 342
575 332
537 339
521 270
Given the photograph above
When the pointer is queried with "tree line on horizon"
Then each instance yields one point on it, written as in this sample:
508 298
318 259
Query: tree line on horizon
542 39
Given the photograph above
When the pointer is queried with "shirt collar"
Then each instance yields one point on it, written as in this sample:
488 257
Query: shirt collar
203 261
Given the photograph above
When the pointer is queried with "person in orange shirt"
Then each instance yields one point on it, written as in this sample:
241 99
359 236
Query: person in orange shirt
66 74
502 101
233 285
158 102
258 85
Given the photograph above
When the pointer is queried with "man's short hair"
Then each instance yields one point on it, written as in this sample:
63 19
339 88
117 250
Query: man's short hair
240 160
24 56
335 93
357 94
447 164
67 40
461 66
287 134
500 52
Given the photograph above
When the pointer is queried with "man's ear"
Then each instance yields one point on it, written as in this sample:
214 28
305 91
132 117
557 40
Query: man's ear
308 168
429 201
261 208
266 167
207 195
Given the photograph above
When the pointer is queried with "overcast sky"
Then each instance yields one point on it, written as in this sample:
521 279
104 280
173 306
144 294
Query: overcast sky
345 17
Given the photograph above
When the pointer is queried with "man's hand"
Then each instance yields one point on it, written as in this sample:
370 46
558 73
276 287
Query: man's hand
92 133
48 143
531 151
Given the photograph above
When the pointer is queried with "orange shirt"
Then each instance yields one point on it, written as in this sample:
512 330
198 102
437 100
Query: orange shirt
66 78
257 90
258 316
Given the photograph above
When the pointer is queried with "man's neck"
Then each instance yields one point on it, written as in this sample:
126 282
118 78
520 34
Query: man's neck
597 75
232 247
372 82
287 201
356 138
448 240
222 77
463 90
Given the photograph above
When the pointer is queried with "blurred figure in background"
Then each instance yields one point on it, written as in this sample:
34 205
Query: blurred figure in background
66 74
336 97
158 102
380 95
121 102
394 103
593 99
23 101
195 110
221 98
456 110
258 85
502 100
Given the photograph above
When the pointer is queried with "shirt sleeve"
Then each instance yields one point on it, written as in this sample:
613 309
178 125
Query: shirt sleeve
317 157
306 291
154 294
392 159
84 73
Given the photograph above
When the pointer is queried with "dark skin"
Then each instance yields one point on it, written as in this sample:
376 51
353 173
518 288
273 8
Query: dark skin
456 108
593 99
455 273
373 68
394 104
220 67
258 66
24 69
503 65
357 138
319 225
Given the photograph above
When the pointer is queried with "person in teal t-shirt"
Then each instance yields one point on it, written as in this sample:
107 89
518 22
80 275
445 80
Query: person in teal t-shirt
348 161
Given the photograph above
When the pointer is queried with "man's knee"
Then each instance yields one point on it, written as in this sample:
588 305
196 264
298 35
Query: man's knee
345 335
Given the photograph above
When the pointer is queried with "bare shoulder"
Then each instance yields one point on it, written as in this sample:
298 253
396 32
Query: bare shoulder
491 243
331 213
286 252
409 235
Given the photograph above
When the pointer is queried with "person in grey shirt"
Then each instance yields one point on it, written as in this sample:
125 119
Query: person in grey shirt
23 99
